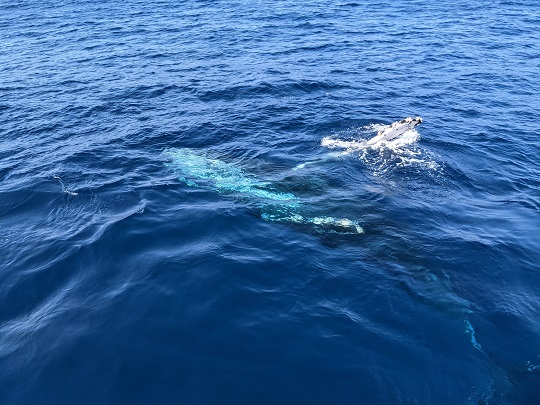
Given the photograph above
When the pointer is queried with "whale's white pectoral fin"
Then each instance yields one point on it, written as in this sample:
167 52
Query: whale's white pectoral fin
395 130
390 132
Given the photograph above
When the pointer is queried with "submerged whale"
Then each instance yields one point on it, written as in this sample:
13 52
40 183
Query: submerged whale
198 168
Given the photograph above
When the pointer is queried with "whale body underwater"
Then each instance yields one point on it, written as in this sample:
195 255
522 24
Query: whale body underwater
202 169
199 168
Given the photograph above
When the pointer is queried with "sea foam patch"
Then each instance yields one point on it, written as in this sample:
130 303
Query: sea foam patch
394 147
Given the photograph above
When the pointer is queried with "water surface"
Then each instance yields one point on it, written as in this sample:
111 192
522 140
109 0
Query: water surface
129 275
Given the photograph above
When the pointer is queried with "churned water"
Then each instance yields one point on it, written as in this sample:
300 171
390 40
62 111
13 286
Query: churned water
189 212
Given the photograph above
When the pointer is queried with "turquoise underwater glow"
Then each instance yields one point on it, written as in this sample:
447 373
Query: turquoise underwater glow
198 169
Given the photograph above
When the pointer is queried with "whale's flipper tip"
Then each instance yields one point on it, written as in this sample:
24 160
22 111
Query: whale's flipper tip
395 130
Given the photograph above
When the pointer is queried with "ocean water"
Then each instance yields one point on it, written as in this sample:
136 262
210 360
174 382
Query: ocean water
183 218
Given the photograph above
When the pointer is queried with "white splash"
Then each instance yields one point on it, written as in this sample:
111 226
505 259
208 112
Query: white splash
393 147
375 154
64 189
409 137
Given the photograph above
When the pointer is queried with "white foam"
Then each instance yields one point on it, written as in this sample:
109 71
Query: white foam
329 224
408 138
64 189
330 143
382 156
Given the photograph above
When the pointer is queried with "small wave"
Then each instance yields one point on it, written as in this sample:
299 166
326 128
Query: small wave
64 189
263 88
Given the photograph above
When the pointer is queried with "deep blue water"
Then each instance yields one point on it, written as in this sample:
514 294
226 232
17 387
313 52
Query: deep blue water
157 246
